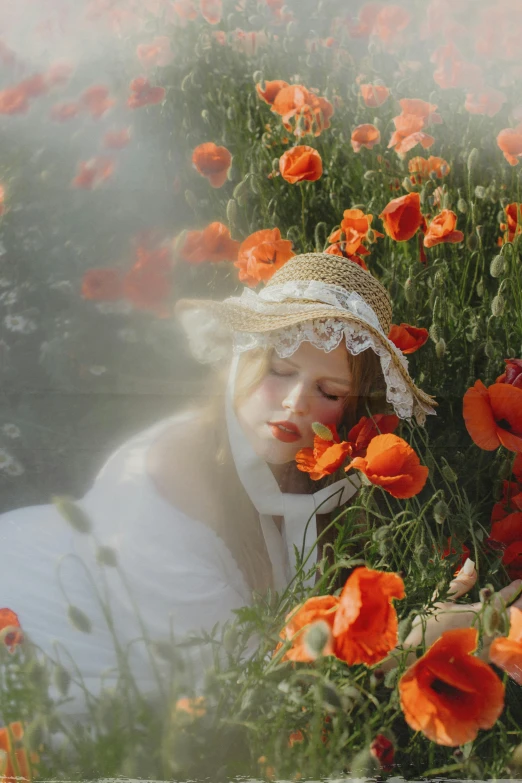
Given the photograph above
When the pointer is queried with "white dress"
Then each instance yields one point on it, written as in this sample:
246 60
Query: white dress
180 572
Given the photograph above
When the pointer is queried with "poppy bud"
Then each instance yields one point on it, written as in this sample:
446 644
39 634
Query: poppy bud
480 288
405 628
480 192
205 115
370 236
440 348
79 619
407 184
257 76
322 431
472 242
505 469
489 349
316 638
449 474
485 593
498 305
230 113
106 556
410 290
62 679
70 511
243 186
421 554
232 212
497 266
473 159
462 205
440 512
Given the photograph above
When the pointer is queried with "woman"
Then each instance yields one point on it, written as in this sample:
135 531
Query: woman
203 509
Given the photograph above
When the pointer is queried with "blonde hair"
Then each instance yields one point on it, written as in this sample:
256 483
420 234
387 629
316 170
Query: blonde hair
238 521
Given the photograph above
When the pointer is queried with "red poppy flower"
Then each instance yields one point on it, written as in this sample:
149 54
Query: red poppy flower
117 140
212 162
9 619
148 288
211 10
450 550
382 749
393 465
510 142
339 249
513 226
213 244
454 71
143 94
104 285
301 163
96 100
13 101
366 429
493 416
402 217
513 373
353 231
407 338
311 113
374 95
442 229
421 168
326 456
448 694
365 136
156 54
92 173
261 255
506 651
512 560
488 102
271 90
365 624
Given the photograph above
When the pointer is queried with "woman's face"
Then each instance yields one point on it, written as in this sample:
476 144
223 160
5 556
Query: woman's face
309 386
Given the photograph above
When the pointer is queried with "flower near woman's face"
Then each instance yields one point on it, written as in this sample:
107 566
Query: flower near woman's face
366 135
10 626
301 163
365 625
448 694
506 651
326 456
212 162
261 255
361 435
213 244
392 464
442 229
493 416
402 217
407 338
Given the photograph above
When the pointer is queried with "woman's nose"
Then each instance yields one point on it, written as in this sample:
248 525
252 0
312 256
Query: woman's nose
297 399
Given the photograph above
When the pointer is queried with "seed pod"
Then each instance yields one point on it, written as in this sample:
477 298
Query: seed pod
462 205
497 266
440 348
390 680
489 349
405 628
79 619
410 290
316 638
473 159
480 192
407 184
106 556
480 288
232 212
449 474
205 115
62 679
440 512
230 640
71 512
472 242
498 305
381 533
243 187
504 471
322 431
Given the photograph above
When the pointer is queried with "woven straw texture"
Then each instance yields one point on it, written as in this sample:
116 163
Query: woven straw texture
325 268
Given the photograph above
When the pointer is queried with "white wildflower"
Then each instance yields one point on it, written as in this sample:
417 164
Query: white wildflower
17 323
5 459
11 430
14 468
97 369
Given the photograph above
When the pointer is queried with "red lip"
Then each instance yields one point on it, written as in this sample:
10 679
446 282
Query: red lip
280 434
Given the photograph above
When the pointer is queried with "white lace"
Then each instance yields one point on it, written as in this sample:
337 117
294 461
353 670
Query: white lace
205 333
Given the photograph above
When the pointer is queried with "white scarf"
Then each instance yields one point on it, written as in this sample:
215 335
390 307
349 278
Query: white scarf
296 509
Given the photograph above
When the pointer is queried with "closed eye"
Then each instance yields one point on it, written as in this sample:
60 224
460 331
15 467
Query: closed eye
333 397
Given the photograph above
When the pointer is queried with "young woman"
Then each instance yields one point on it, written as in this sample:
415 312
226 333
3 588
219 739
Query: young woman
204 508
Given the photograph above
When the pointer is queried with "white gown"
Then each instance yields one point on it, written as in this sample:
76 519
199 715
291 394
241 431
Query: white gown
180 572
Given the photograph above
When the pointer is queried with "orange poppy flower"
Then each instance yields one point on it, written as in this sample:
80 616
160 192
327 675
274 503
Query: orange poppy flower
442 229
374 95
448 694
63 112
421 168
365 624
103 285
407 338
326 456
450 550
148 288
367 428
320 609
392 464
13 101
513 373
2 200
211 10
96 100
339 249
261 255
295 737
513 226
311 113
453 71
212 162
353 230
213 244
391 21
301 163
506 651
92 173
143 94
510 142
195 707
402 217
185 9
493 416
271 90
156 54
422 109
488 102
117 140
9 619
15 753
366 135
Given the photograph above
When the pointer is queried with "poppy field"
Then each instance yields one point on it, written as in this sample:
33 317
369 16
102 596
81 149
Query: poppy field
158 149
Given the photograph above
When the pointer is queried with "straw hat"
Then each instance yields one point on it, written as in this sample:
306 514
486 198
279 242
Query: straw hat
316 297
